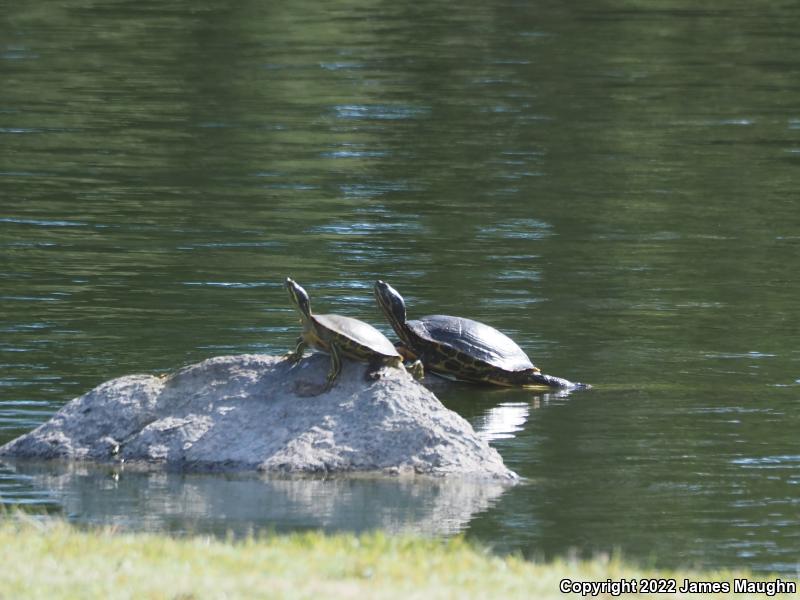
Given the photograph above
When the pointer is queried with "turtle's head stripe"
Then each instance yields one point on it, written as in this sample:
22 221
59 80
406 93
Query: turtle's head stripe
298 296
391 303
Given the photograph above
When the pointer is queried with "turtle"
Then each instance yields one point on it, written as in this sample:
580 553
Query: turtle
340 336
460 348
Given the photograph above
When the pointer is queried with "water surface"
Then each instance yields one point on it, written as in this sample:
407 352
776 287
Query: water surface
613 184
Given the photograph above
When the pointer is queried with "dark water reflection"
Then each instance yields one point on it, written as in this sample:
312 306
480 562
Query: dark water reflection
611 183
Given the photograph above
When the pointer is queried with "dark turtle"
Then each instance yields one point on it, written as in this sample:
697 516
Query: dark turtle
340 336
462 348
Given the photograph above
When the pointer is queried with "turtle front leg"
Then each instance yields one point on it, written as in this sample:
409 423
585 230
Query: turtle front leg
336 366
373 371
297 354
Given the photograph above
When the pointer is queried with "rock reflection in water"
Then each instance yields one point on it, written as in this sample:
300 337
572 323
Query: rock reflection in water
507 419
158 501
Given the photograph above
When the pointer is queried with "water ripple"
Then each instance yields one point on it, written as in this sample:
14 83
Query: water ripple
339 66
365 190
349 153
198 245
380 112
43 222
234 284
769 462
528 229
365 228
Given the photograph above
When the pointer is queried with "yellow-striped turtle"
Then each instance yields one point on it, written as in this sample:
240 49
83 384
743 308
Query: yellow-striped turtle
462 348
340 336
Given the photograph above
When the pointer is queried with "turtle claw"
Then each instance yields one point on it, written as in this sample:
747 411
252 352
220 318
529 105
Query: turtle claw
416 370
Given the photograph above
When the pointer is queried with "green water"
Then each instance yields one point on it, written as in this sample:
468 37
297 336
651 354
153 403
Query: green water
613 184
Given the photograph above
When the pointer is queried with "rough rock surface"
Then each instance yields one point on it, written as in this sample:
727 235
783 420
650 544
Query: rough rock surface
257 412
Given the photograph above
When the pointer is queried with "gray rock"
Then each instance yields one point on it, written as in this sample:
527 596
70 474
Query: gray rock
256 412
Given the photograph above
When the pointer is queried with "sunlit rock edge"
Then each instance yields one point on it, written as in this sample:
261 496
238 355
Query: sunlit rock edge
257 412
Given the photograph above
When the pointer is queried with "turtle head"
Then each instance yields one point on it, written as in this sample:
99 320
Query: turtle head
299 297
391 303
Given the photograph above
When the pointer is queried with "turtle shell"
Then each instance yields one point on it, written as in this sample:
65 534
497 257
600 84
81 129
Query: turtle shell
477 340
358 332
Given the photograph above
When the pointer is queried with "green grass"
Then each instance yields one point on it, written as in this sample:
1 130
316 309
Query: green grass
57 560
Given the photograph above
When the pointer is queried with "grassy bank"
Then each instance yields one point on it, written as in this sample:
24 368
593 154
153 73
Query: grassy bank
60 561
